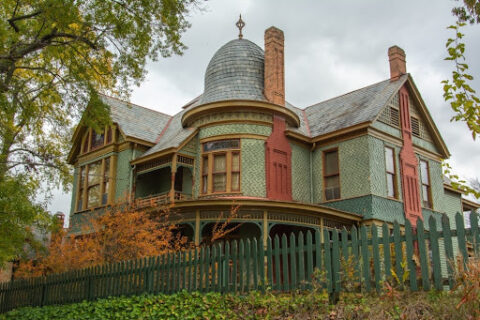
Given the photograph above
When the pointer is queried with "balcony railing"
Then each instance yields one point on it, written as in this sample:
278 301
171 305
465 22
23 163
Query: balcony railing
159 199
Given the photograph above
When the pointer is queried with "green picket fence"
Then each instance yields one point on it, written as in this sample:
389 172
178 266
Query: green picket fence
417 258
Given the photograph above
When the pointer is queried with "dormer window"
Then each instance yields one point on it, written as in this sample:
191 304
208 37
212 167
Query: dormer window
94 140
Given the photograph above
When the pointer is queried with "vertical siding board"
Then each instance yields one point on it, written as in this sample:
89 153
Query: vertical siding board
398 252
409 250
422 251
386 252
365 257
447 240
376 258
437 272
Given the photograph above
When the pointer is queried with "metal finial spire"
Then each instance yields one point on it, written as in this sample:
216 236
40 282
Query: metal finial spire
240 24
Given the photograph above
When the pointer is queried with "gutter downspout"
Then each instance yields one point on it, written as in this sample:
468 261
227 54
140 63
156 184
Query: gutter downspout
311 171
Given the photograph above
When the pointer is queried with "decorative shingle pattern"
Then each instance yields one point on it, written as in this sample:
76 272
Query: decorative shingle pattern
136 121
353 108
236 71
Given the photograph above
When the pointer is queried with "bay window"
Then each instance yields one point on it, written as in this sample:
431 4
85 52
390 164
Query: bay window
93 184
221 166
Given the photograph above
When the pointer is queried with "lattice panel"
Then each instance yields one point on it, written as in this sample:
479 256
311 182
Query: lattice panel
293 218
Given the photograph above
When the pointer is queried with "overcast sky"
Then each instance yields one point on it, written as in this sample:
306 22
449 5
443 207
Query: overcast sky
331 48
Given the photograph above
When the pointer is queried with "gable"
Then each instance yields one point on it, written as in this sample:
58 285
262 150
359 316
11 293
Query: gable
424 131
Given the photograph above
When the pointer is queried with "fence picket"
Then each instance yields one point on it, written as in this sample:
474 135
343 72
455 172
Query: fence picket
261 263
278 277
447 240
365 258
285 275
293 262
255 263
327 259
462 245
301 261
336 261
309 259
226 268
409 250
376 257
248 264
475 229
355 254
235 266
241 263
422 251
398 253
387 263
269 263
437 272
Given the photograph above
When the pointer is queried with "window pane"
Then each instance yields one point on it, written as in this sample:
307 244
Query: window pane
82 176
332 188
219 182
204 184
424 172
107 168
390 185
221 144
235 162
94 173
235 181
93 196
205 165
425 193
80 200
331 162
219 164
389 160
97 139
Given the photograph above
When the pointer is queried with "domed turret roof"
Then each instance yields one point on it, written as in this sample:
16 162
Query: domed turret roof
235 73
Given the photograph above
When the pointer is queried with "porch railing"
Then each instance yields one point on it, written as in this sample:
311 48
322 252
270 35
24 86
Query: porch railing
158 199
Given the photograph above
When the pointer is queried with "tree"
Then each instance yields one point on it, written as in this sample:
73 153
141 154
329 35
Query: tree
458 90
55 56
120 234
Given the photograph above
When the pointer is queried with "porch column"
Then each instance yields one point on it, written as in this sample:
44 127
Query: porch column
174 171
197 235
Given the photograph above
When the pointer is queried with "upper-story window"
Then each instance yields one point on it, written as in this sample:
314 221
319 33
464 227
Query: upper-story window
426 190
390 172
331 174
221 166
93 184
94 140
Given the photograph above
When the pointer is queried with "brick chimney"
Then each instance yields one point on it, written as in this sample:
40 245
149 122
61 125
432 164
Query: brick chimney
398 65
274 66
60 218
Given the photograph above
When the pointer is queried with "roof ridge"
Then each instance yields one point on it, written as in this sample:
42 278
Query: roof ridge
136 105
160 135
371 85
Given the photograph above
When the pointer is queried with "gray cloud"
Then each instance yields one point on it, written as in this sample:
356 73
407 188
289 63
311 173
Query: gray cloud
332 47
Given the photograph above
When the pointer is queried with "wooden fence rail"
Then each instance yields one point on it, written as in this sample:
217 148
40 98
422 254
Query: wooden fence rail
357 259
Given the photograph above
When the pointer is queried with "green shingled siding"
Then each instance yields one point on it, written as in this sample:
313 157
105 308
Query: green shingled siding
300 173
317 178
253 168
123 174
424 144
360 205
190 148
378 176
387 129
236 128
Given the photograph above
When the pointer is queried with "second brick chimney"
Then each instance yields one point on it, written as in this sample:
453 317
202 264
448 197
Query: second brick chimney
398 65
274 87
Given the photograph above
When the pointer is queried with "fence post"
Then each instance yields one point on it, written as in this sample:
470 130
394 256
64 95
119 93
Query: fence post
422 251
475 232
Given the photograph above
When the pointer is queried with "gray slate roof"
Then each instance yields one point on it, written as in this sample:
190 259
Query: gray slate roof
136 121
352 108
172 136
235 73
